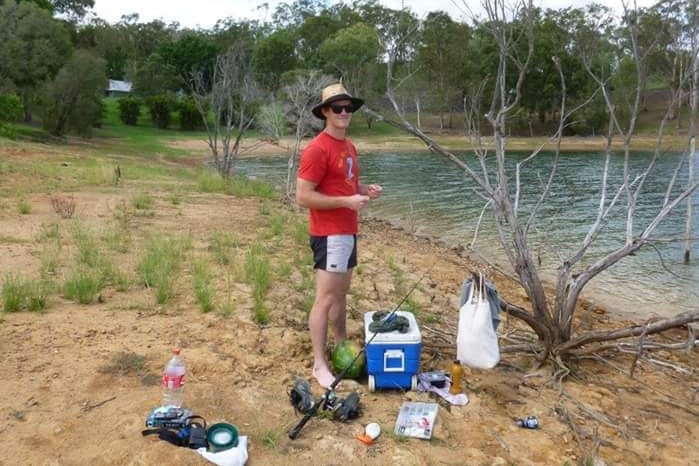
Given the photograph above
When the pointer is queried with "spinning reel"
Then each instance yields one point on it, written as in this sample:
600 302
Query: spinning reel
343 409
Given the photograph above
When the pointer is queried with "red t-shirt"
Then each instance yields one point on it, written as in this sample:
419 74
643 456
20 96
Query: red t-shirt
332 164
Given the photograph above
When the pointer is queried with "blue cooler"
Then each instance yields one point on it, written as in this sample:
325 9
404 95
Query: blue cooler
392 358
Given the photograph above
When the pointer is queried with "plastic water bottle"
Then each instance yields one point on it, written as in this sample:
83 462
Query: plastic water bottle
173 381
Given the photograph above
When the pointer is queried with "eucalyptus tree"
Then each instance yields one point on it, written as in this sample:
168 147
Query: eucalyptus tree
517 208
71 8
273 56
294 14
441 55
111 42
34 47
193 52
398 35
311 35
351 54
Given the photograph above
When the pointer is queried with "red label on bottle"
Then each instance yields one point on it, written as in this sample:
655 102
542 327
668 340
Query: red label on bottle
173 381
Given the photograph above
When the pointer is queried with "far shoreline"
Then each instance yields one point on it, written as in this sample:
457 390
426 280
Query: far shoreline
256 147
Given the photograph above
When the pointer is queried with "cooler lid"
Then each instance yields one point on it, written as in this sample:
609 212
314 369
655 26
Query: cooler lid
395 336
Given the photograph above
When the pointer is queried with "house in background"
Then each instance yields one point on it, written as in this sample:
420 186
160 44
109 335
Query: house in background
116 88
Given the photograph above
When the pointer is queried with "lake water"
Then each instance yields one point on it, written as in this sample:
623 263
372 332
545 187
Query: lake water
429 195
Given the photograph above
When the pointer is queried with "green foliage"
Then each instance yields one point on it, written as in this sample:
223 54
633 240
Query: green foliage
258 275
24 207
221 245
153 76
19 294
203 286
160 107
211 182
189 54
142 201
87 247
33 48
271 121
10 111
129 110
351 51
83 285
73 101
158 267
274 55
190 118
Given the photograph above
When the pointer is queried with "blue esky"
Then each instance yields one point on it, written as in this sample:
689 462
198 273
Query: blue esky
205 13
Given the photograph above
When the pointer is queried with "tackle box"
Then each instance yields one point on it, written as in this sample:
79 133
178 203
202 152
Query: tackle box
392 358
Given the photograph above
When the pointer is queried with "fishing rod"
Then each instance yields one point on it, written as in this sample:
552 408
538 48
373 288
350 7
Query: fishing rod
329 395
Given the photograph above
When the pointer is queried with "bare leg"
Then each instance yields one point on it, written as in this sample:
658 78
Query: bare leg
329 305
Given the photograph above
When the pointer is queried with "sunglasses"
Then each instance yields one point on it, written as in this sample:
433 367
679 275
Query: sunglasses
337 109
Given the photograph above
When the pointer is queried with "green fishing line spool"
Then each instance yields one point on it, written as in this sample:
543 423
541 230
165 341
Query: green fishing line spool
222 436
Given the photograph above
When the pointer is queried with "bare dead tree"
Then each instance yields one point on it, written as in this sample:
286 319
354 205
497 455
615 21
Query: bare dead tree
302 94
693 119
225 105
552 320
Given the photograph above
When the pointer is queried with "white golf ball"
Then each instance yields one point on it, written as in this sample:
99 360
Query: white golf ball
372 430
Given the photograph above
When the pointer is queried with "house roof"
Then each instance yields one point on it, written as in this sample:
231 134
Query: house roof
119 86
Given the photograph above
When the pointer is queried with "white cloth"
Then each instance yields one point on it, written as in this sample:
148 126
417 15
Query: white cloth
236 456
424 385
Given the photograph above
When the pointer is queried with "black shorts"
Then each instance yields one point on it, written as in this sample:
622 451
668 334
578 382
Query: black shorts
334 253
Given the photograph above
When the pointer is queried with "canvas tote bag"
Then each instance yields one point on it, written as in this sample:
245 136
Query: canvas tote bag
477 341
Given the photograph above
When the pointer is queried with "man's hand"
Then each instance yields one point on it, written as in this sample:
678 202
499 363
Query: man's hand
357 201
374 191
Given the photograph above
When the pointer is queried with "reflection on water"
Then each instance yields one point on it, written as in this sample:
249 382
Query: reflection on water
430 195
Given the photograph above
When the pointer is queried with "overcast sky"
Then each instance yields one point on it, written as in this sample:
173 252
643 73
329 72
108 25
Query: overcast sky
205 13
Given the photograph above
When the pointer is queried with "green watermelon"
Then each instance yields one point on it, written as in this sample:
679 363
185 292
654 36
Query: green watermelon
342 357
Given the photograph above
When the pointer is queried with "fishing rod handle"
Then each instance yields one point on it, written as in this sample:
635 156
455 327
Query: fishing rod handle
293 433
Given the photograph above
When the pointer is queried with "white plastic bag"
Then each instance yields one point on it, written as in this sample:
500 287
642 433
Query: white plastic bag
477 341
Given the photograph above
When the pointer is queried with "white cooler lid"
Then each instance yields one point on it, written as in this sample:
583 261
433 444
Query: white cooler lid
411 336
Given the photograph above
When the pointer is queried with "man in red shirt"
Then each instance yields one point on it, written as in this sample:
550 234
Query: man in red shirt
328 185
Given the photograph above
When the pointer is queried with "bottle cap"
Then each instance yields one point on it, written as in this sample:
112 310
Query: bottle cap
176 351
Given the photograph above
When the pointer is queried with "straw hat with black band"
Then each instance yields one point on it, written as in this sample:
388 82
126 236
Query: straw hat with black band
333 93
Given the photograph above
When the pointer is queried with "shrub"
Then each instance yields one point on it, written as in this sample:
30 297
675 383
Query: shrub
73 101
10 110
190 118
160 107
129 110
63 206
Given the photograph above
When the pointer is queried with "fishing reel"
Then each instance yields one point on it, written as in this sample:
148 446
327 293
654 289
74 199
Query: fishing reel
343 409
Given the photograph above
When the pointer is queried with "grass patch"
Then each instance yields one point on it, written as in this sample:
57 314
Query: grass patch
158 267
19 294
50 259
87 246
276 225
124 363
24 207
270 439
222 245
300 232
142 201
209 181
49 231
83 286
203 287
257 275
